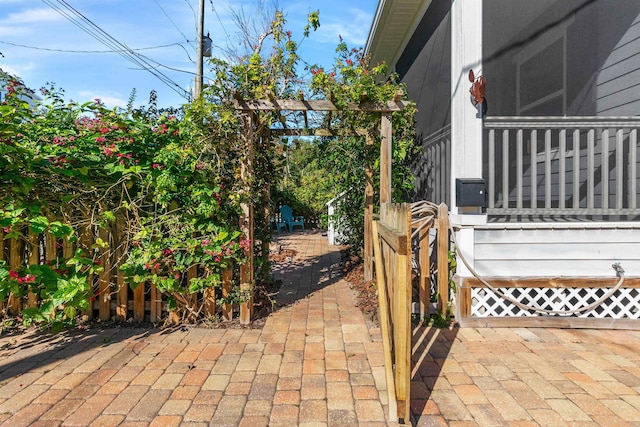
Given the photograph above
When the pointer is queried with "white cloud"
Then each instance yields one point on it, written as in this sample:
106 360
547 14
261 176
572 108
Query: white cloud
21 70
108 100
354 28
33 15
14 31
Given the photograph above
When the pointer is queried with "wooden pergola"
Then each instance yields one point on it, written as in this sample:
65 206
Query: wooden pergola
251 107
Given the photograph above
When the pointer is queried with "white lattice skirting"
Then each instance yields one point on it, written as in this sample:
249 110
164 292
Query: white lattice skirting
623 304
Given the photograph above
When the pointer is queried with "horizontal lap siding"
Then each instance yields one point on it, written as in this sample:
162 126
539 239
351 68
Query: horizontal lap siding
564 252
618 91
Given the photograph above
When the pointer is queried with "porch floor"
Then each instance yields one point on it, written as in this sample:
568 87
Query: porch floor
316 362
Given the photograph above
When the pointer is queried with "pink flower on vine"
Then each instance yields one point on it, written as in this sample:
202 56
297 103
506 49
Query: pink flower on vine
13 274
101 139
245 244
29 278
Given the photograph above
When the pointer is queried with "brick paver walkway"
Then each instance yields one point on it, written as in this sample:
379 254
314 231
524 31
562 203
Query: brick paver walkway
316 362
526 377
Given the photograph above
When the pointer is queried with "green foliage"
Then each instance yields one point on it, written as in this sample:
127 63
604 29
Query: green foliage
177 179
304 185
437 320
453 267
341 161
70 168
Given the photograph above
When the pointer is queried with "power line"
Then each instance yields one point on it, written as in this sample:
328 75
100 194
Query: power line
92 29
219 20
195 15
171 20
88 51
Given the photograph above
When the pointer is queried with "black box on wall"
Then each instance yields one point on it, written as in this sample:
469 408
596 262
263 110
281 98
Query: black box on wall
471 192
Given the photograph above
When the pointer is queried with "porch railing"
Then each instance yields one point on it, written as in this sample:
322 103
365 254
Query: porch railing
569 166
432 169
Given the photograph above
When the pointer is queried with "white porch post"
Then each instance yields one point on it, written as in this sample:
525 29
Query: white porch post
466 120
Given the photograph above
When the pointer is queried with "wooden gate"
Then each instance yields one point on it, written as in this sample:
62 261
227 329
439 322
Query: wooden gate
392 249
392 238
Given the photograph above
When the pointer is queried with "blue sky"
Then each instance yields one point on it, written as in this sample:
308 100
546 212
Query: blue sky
40 45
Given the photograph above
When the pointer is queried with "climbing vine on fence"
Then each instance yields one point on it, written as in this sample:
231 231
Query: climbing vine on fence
69 169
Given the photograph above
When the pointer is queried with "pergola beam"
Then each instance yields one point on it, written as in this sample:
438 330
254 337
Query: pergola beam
311 132
315 105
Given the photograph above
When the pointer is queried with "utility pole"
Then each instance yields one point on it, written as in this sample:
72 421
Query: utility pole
199 53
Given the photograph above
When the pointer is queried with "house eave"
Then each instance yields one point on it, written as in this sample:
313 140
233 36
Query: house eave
394 23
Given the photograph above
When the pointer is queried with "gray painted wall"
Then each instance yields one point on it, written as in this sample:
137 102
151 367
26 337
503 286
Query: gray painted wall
425 67
587 52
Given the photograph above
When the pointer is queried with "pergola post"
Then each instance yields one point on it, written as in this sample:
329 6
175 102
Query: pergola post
386 130
246 224
368 211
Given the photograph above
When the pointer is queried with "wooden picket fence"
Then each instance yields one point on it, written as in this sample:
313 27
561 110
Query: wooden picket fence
392 238
112 298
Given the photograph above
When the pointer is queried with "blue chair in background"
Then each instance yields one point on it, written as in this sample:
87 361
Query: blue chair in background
279 225
289 219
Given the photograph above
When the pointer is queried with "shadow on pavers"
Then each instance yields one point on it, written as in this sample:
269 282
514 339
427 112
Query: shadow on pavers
430 348
301 276
34 350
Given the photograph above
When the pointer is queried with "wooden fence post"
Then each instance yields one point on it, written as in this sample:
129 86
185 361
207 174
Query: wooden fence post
209 297
34 259
123 289
104 278
155 311
402 322
383 313
13 304
87 242
227 309
138 302
443 259
425 277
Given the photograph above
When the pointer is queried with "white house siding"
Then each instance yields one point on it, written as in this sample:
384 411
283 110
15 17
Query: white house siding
556 250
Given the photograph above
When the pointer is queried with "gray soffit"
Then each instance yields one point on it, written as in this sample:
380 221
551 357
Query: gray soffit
392 27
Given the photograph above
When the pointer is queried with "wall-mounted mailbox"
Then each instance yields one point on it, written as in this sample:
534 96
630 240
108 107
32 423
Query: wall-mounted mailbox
471 192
